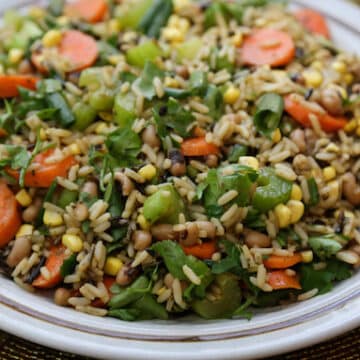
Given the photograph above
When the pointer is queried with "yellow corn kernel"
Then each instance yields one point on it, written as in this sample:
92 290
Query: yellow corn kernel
283 215
171 82
237 39
318 65
101 128
329 173
231 95
36 12
148 172
114 26
62 20
313 78
297 210
52 218
52 38
23 198
144 224
15 55
74 149
350 126
307 256
179 4
173 34
276 136
296 192
72 242
42 134
358 131
112 266
115 59
349 79
25 230
250 161
339 66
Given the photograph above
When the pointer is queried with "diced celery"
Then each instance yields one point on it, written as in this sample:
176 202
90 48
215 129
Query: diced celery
139 55
131 17
91 78
28 31
101 99
84 116
124 109
189 49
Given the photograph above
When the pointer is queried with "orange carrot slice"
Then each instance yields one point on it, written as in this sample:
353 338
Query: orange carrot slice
76 48
302 115
198 147
313 21
9 84
268 47
45 173
92 11
53 264
10 218
280 280
282 262
202 251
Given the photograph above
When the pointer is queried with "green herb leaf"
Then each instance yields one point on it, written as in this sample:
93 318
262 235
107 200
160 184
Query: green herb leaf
214 101
172 116
268 114
124 146
145 82
237 151
313 191
175 258
68 266
156 17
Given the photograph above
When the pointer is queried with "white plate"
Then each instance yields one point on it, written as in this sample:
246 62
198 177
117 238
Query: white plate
268 333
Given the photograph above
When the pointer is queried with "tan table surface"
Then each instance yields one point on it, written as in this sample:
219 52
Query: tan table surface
346 347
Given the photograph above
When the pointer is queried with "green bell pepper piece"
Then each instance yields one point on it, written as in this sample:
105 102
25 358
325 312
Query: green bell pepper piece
165 205
124 108
139 55
226 304
271 191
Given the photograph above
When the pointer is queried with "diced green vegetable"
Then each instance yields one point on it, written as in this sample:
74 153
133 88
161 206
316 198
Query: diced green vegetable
124 109
149 308
131 16
145 82
324 246
139 55
271 191
67 197
225 305
102 99
189 49
84 116
164 205
91 78
268 114
68 265
214 101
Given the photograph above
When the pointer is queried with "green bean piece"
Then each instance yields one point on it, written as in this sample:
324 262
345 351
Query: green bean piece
225 305
67 197
130 294
101 99
313 191
84 116
57 100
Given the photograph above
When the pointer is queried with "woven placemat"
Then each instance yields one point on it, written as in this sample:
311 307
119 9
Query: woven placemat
346 347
